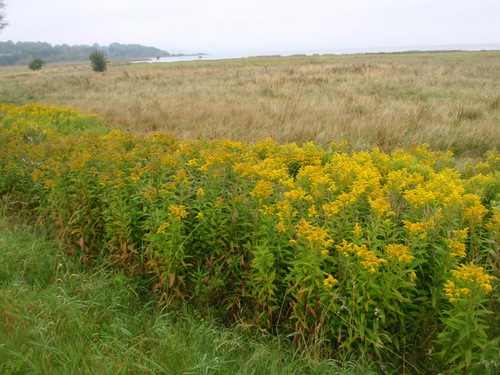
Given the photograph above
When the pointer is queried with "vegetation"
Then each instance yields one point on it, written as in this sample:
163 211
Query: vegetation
98 61
36 64
22 52
390 256
59 316
2 15
449 100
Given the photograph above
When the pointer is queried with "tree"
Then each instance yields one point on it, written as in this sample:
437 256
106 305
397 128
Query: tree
98 61
2 15
36 64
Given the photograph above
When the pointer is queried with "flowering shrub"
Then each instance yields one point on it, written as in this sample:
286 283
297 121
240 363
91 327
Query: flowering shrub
391 255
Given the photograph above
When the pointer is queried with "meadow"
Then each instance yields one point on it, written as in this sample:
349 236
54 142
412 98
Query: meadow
449 100
365 248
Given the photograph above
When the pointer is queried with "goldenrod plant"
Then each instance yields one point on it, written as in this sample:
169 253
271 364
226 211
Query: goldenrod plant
388 255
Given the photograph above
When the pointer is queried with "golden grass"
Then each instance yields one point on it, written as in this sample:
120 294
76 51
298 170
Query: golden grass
448 99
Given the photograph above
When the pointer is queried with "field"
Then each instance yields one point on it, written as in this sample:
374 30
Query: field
350 211
449 100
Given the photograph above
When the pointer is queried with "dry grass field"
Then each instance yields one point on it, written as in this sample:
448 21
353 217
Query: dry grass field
450 100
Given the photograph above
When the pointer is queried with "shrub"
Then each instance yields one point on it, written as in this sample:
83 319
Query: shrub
98 61
36 64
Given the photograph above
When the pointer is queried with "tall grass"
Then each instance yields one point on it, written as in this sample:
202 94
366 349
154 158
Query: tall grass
447 99
58 316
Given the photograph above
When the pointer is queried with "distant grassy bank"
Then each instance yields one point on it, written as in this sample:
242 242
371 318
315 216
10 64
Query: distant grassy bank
447 99
58 316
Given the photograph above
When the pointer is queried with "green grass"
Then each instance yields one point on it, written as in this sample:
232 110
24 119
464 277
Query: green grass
59 316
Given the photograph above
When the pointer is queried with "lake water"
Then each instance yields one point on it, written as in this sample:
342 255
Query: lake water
345 51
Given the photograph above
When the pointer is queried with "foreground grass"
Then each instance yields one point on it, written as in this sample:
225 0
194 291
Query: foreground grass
447 99
58 316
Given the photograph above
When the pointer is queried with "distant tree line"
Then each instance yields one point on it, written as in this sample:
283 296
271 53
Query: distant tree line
21 53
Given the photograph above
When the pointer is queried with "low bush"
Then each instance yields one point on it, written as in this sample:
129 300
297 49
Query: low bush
36 64
98 61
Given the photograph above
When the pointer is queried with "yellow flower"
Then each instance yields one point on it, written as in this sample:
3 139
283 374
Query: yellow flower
280 227
178 212
475 211
358 230
342 201
315 235
494 224
200 192
298 194
193 163
200 216
474 274
454 293
420 196
161 228
400 252
329 281
263 189
457 249
415 228
312 212
367 258
381 206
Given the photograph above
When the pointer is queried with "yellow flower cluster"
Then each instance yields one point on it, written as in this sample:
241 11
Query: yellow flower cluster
415 228
367 258
399 252
161 228
457 249
329 281
263 189
358 230
178 212
453 292
315 235
298 194
493 224
474 211
475 274
381 206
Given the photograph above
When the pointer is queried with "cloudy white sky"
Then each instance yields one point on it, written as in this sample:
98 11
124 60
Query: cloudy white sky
232 26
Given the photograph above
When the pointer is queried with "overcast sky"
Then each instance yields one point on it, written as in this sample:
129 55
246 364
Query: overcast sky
232 26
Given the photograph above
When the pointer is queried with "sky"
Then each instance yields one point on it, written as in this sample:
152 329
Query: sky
232 26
